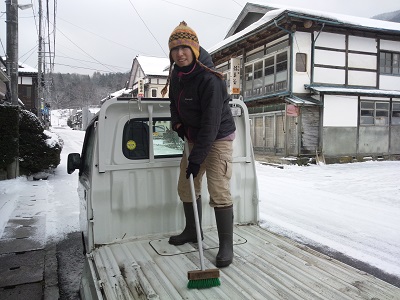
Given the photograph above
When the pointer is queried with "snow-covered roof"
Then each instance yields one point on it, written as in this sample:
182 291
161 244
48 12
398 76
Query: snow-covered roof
24 68
116 94
342 90
339 19
153 65
305 100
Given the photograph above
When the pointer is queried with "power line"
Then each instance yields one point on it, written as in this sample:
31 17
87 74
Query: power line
2 46
99 35
78 67
32 50
237 3
148 28
82 49
82 60
203 12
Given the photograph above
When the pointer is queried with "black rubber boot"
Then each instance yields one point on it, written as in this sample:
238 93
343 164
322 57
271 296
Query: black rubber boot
224 218
188 235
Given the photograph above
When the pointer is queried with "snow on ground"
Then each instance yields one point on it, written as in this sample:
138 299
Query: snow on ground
351 208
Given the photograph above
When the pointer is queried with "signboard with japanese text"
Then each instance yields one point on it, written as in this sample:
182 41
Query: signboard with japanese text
235 76
292 110
140 88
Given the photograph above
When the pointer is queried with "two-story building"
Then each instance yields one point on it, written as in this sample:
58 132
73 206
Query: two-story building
27 85
148 76
315 82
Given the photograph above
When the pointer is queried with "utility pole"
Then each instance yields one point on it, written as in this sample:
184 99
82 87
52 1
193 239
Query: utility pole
12 48
12 72
40 63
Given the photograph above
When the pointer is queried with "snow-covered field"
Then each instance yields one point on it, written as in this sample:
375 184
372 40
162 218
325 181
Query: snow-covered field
350 208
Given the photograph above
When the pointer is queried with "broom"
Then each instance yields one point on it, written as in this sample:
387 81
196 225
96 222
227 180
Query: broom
200 279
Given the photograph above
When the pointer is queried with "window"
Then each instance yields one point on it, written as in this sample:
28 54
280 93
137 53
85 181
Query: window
281 71
267 75
255 56
389 63
154 93
396 113
258 78
277 47
374 113
87 152
301 62
248 75
136 139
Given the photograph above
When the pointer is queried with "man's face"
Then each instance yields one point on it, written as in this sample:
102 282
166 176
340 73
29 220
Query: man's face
182 56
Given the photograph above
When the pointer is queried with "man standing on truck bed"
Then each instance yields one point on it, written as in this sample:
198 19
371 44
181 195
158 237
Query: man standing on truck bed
200 111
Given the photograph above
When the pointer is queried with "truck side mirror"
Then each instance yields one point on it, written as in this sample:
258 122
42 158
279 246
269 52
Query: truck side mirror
74 162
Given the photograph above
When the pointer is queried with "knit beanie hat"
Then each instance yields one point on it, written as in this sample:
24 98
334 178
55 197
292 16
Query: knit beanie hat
183 35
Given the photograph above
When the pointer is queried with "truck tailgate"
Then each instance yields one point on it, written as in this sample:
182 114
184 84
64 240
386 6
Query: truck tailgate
265 266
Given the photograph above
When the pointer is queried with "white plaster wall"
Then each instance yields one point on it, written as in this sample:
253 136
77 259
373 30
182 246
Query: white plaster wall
389 45
362 44
340 111
362 61
332 58
330 40
387 82
361 78
302 44
325 75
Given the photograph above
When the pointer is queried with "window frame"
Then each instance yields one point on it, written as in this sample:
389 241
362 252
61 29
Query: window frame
389 63
301 62
395 113
250 77
155 138
376 114
88 150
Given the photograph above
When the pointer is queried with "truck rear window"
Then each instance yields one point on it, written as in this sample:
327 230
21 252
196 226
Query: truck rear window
138 134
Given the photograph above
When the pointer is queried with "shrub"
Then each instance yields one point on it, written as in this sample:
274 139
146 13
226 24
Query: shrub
8 135
39 150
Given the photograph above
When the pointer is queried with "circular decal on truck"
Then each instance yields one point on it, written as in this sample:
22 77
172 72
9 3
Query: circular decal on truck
131 144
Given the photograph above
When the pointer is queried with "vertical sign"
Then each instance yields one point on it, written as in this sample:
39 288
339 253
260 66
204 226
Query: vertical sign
140 90
235 76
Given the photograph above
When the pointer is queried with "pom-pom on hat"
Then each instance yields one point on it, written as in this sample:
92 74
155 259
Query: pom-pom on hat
183 35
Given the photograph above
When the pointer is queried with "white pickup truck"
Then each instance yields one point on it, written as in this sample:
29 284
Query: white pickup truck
128 172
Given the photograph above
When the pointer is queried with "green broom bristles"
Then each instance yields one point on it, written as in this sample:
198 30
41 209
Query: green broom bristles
202 279
203 283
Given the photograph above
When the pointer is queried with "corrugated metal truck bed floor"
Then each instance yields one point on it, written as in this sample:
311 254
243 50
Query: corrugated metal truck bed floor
266 266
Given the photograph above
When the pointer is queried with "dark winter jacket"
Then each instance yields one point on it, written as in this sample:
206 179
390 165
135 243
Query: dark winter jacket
200 101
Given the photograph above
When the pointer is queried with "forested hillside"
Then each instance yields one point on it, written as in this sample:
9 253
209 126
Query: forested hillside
76 91
393 16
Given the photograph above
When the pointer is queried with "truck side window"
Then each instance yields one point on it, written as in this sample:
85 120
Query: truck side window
135 140
166 142
87 152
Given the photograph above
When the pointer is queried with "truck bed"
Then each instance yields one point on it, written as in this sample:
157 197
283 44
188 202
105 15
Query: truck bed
265 266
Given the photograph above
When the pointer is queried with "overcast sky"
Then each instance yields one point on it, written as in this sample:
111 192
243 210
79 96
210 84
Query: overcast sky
106 36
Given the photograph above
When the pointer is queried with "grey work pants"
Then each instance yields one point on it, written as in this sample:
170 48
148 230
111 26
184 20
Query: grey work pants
218 169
